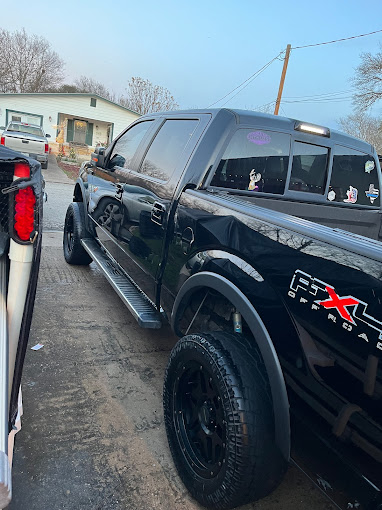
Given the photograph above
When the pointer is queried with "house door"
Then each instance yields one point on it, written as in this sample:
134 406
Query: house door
80 127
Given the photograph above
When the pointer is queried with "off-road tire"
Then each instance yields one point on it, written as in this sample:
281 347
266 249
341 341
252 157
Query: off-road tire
44 166
74 231
219 420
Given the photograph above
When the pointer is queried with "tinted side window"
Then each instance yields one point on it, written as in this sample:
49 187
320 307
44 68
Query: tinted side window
165 151
354 178
309 168
254 161
126 146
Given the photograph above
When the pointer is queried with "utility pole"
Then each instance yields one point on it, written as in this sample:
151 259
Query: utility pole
278 100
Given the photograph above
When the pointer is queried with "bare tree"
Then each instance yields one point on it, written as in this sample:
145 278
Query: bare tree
145 97
27 63
85 84
368 80
364 126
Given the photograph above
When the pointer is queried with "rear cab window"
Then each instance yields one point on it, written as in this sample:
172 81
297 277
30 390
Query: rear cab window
25 128
263 162
309 168
254 160
354 178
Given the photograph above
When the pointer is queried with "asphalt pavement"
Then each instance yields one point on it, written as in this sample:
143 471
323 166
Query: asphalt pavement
93 436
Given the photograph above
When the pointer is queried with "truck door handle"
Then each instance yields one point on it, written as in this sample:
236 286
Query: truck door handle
187 240
25 141
157 213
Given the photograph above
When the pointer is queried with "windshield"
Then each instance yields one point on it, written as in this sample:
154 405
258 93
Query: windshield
25 128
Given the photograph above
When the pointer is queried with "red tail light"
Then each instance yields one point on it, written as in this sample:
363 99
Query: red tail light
25 202
22 170
46 148
2 140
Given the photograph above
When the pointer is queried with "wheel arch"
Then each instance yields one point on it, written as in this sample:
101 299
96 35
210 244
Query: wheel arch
209 280
79 195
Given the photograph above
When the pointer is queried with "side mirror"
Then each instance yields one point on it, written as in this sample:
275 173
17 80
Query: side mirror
47 135
2 127
98 157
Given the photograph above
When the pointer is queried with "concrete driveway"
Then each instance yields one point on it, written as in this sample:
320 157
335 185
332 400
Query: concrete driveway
93 436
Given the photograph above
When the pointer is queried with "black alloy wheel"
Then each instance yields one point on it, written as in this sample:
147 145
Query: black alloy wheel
219 420
200 419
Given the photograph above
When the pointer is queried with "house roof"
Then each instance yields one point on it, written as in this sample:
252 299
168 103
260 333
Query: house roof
64 94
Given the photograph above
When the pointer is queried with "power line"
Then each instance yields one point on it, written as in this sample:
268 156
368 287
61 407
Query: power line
266 104
336 40
252 77
333 100
327 94
258 74
313 98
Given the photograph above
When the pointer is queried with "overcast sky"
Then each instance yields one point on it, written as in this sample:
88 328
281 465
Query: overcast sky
201 50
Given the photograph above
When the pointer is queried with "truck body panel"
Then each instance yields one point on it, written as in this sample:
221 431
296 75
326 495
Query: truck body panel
289 219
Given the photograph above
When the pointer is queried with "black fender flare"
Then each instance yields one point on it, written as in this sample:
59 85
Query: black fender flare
79 195
225 287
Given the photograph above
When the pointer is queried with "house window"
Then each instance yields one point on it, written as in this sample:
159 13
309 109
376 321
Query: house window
93 101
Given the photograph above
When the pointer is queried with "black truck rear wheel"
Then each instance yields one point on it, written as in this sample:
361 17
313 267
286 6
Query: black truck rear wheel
219 420
74 231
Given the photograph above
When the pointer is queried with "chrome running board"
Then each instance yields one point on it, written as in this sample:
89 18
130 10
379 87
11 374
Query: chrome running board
137 302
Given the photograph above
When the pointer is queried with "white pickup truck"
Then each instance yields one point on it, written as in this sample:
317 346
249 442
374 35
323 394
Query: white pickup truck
29 139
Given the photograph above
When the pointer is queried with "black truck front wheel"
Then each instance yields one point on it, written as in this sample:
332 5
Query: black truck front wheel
74 230
219 420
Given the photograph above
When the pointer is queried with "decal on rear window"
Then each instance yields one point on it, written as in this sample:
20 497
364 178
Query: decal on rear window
369 166
372 193
258 137
331 195
254 177
352 195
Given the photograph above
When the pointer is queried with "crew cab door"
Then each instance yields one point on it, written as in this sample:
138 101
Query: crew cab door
145 193
106 182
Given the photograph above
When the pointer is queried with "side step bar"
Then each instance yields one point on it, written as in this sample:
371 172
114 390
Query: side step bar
136 301
5 469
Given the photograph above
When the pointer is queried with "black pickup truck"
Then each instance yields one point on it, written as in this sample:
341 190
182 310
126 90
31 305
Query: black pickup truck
258 238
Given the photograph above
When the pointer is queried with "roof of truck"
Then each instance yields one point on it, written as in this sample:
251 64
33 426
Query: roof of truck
268 121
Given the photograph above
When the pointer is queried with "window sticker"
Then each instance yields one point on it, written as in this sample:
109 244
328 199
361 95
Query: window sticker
258 137
331 195
253 179
369 166
352 195
372 193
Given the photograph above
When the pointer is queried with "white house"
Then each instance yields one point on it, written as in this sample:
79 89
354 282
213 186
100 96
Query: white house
80 120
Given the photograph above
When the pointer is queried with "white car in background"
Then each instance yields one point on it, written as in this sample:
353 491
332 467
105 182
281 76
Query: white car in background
29 139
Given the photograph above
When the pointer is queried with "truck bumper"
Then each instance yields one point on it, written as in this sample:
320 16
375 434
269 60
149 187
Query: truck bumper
41 158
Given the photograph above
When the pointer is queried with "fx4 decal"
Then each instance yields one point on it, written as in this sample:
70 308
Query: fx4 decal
347 311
